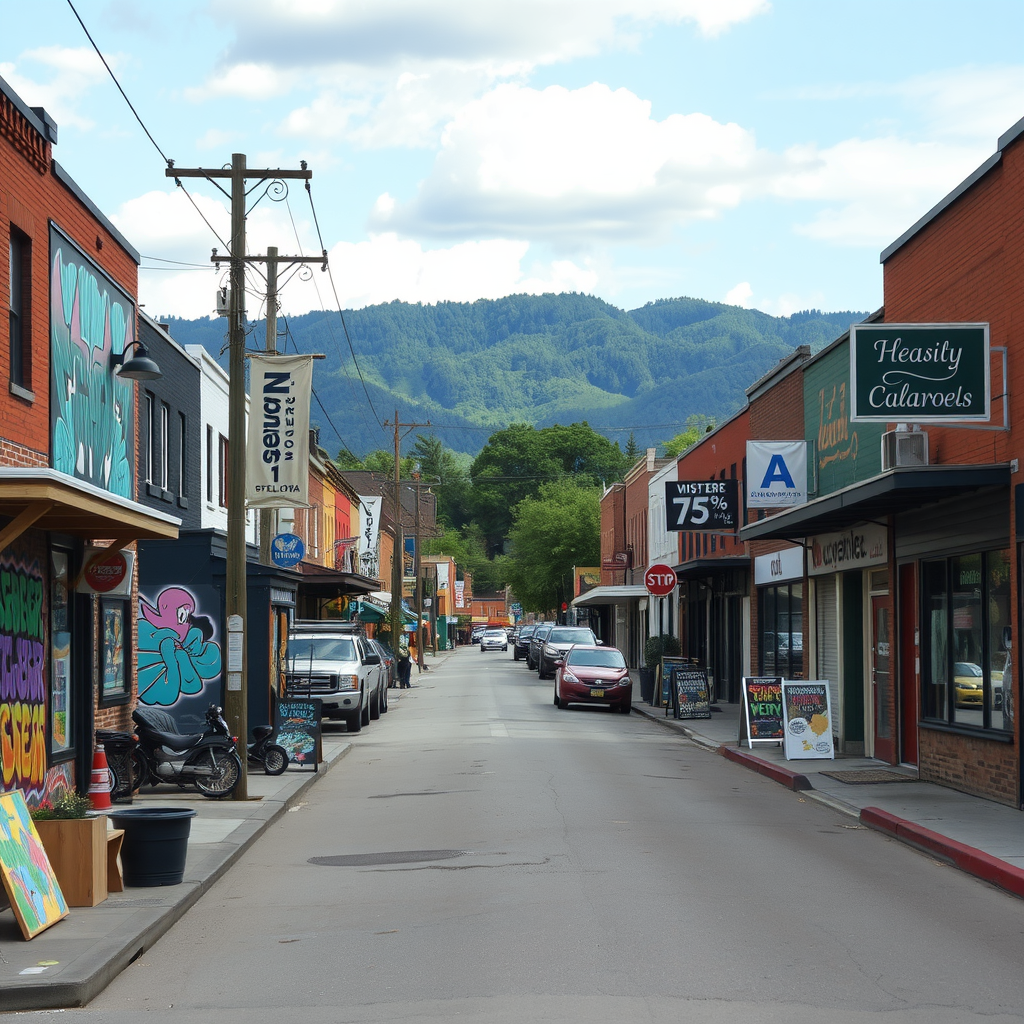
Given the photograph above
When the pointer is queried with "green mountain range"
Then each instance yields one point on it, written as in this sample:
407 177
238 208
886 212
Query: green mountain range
471 368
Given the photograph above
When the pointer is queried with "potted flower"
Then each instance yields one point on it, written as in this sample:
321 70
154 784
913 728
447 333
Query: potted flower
76 845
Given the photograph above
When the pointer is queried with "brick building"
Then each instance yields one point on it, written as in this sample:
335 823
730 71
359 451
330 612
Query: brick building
69 514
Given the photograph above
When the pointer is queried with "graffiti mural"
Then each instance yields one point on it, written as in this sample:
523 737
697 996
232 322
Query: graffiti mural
91 410
177 652
22 680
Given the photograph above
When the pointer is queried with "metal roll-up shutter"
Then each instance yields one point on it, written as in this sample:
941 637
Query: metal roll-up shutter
826 617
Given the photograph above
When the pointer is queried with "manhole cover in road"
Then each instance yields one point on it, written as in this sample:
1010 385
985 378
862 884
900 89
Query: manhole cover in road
864 775
363 860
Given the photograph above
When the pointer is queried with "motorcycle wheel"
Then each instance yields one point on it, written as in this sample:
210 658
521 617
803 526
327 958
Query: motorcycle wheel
275 759
140 770
227 769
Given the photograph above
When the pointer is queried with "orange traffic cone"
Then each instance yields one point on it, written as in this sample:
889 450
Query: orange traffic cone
99 784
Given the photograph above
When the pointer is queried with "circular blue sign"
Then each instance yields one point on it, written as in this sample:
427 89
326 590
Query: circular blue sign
286 550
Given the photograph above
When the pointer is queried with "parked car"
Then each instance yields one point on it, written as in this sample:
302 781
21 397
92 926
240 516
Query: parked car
521 645
336 662
557 642
389 665
493 640
537 643
593 675
476 633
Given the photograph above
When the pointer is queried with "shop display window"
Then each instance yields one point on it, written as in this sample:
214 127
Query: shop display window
965 650
781 643
61 704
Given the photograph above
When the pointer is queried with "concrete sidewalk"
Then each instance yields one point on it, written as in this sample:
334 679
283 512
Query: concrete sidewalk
985 839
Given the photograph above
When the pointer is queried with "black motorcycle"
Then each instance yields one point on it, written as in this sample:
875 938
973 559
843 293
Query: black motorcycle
272 756
206 760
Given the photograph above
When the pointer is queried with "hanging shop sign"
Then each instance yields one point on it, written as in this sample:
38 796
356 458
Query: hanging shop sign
920 373
277 452
857 548
808 719
287 550
776 473
779 566
107 571
762 710
702 505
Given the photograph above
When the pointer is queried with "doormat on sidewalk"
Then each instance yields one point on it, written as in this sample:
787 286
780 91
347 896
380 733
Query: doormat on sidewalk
861 775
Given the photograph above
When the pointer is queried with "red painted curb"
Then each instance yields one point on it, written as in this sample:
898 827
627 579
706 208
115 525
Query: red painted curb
973 861
791 780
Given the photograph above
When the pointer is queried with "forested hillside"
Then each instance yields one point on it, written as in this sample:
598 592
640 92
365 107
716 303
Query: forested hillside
470 368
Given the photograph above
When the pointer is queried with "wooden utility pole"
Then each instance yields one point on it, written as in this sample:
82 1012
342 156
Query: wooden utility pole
236 705
398 562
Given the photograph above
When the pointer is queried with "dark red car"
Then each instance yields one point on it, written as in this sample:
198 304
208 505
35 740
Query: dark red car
593 675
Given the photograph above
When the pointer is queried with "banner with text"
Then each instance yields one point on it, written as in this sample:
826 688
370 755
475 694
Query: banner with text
776 473
277 453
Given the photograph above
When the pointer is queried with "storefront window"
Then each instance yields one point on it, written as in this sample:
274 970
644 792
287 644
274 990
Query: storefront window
966 617
60 657
782 631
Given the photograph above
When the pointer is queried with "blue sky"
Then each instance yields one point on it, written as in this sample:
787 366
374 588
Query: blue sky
760 153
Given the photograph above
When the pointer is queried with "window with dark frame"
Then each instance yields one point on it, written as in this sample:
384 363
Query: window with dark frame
223 471
20 265
966 640
781 641
209 465
165 444
182 451
149 447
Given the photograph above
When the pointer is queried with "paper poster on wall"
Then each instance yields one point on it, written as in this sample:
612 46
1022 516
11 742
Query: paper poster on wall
807 708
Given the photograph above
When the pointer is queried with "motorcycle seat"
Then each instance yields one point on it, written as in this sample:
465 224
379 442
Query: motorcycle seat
161 727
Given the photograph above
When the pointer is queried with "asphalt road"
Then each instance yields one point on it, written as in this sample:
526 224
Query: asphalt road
481 855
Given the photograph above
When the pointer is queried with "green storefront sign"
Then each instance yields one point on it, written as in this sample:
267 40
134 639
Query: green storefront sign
919 373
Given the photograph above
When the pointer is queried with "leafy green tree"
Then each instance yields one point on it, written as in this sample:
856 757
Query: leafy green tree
517 461
470 554
633 450
452 486
558 529
697 426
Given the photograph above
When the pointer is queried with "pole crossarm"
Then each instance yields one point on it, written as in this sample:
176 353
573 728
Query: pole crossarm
226 172
218 259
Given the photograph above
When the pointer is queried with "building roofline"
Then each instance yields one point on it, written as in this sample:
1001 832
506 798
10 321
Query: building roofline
37 117
972 179
75 189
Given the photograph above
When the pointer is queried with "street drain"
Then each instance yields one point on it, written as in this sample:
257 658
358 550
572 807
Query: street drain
364 860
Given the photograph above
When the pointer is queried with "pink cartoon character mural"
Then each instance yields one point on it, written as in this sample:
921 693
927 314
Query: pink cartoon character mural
176 653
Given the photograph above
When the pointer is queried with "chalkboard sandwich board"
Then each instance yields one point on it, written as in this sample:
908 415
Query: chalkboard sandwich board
761 721
689 690
807 708
297 729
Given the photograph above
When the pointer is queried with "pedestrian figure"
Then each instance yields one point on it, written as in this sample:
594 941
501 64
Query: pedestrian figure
404 662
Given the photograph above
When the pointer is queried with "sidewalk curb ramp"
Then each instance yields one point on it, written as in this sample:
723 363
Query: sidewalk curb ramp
975 862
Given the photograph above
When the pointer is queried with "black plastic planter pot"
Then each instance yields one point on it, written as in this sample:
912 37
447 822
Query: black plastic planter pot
155 843
647 677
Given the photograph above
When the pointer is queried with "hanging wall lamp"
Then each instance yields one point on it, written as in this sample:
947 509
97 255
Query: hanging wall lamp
139 367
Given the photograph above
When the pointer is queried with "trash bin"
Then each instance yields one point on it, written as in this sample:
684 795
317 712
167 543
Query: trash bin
118 747
155 843
647 677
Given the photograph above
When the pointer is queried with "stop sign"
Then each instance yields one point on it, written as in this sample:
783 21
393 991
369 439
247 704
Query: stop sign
660 579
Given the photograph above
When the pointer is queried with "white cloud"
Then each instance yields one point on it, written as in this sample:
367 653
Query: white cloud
590 164
740 295
872 189
71 72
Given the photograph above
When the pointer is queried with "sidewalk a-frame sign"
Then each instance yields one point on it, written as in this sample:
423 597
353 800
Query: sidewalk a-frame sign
761 720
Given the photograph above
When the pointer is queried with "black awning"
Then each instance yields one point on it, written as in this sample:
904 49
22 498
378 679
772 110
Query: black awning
321 582
887 494
701 568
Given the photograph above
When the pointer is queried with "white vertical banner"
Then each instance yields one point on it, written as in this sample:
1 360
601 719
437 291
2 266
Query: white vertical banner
442 575
277 454
369 534
776 473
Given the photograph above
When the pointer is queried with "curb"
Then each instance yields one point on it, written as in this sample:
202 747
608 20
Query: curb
61 993
791 780
968 859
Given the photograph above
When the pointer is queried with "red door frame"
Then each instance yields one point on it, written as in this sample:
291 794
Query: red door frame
883 704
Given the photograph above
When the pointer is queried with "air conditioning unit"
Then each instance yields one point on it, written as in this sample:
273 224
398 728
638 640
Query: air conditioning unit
902 448
223 301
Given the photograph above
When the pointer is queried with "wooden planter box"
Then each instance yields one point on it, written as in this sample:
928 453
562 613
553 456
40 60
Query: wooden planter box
77 849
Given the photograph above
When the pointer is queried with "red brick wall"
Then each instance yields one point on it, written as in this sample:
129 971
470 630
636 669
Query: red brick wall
966 266
612 532
30 196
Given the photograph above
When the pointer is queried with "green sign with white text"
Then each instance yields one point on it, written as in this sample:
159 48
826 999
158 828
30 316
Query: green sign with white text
919 373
